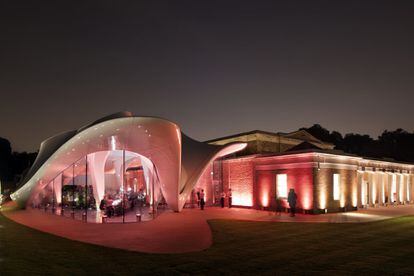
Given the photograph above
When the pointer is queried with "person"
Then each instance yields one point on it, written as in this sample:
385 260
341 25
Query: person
109 209
202 202
102 205
230 197
198 198
141 199
278 206
292 197
192 197
223 197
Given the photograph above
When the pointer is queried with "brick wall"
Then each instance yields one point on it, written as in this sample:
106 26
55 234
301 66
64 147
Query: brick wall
323 192
299 179
258 188
238 175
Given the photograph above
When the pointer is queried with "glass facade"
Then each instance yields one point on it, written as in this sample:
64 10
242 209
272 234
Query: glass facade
67 206
115 186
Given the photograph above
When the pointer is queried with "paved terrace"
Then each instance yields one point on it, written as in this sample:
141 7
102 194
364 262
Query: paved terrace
187 231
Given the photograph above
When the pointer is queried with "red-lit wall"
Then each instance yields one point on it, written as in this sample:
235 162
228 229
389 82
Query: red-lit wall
265 189
299 179
238 175
253 181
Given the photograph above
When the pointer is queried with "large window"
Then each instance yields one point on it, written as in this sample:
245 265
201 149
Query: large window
281 185
336 186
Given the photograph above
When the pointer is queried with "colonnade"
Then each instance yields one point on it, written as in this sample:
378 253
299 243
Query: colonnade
380 188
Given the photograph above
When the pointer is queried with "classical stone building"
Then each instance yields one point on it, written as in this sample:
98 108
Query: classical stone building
324 179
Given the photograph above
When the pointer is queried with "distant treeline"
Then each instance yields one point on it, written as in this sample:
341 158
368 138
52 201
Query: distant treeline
13 164
397 144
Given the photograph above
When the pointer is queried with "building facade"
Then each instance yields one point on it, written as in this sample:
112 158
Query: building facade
122 166
324 180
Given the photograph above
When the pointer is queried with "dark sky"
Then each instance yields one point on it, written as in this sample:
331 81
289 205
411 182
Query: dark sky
214 67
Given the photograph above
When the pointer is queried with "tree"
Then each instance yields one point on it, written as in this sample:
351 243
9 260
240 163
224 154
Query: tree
397 144
5 159
323 134
13 164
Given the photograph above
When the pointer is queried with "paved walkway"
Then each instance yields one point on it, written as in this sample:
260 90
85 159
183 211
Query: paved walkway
187 231
169 233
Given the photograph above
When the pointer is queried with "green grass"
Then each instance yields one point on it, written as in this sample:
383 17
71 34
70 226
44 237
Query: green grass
239 248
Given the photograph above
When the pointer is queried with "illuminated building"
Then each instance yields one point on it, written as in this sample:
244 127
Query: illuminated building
119 165
324 179
124 168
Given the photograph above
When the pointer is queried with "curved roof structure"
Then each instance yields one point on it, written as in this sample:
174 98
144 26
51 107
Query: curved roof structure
178 159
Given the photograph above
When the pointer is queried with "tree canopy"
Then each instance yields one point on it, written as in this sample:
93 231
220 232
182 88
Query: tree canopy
13 164
397 144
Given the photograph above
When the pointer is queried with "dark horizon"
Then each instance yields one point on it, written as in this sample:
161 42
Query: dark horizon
215 68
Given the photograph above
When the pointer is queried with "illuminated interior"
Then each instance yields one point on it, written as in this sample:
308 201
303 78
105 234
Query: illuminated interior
116 185
122 161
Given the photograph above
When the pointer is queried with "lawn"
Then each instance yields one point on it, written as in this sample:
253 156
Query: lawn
239 248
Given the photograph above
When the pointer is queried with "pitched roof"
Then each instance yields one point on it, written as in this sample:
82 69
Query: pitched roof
304 146
302 135
242 134
299 135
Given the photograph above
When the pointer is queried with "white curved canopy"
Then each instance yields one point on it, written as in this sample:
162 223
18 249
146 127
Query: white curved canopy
179 160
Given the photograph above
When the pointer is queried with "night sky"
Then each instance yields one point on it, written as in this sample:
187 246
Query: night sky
214 67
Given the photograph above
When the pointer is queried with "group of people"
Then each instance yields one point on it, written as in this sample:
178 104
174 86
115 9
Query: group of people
107 206
291 199
229 196
201 202
114 205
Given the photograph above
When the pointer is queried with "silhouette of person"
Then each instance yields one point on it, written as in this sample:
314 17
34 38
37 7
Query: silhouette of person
292 197
202 202
222 198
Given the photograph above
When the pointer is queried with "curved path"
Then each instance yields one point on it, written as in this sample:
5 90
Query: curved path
187 231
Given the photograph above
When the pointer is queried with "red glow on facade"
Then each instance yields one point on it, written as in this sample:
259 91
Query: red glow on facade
302 181
265 183
239 177
265 200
